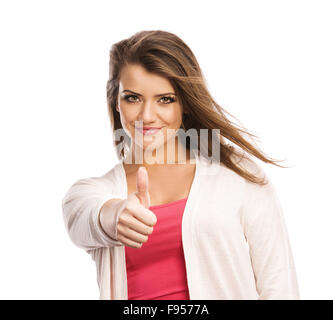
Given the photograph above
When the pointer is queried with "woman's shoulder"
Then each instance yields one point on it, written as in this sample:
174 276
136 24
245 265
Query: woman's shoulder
113 178
110 180
239 158
254 191
234 183
248 163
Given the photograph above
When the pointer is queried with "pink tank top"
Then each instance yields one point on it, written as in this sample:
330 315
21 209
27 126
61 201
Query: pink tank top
156 271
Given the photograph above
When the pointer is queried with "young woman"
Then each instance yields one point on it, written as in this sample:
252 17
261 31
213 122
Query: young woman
177 219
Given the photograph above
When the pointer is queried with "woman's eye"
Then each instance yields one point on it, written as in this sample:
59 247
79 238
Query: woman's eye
169 99
130 96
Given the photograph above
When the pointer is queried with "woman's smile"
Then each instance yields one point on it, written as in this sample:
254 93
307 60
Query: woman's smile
149 131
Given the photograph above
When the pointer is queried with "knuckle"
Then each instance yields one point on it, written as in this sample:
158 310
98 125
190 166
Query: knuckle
127 230
130 207
122 218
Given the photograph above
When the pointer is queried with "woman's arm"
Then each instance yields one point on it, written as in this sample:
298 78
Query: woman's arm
81 209
269 247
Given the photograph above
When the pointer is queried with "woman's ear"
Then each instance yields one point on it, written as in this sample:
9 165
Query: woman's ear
117 108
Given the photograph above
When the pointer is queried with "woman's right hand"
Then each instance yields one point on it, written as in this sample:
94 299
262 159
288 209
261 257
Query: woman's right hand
134 221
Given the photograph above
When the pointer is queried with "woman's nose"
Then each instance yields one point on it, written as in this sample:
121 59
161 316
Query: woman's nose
148 112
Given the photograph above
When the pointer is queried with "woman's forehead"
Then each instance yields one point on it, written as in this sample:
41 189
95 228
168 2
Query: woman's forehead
137 79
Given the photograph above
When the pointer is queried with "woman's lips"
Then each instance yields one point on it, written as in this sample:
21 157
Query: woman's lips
149 132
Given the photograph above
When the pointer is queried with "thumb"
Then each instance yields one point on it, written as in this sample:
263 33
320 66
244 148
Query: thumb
142 187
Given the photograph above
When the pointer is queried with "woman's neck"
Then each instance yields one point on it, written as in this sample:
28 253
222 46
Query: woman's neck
151 161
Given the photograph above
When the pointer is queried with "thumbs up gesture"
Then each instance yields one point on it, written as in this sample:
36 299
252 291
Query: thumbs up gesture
142 187
134 220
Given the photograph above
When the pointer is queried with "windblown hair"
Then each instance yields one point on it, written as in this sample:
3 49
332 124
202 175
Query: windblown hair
165 54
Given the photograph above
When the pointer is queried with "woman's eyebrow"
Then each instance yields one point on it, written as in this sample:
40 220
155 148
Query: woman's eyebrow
157 95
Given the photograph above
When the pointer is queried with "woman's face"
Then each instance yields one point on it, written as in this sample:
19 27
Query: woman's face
150 98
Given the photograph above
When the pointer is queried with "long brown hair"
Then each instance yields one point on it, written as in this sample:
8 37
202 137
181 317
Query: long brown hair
165 54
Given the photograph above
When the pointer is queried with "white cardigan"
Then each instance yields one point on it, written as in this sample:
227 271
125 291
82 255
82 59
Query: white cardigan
235 240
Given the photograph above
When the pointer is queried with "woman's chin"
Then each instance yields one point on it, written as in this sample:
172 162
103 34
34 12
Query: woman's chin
151 147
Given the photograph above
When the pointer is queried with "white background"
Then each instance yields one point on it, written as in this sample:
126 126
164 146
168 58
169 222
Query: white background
269 63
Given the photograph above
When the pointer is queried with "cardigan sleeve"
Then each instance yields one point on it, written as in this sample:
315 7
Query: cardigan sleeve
81 206
269 247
